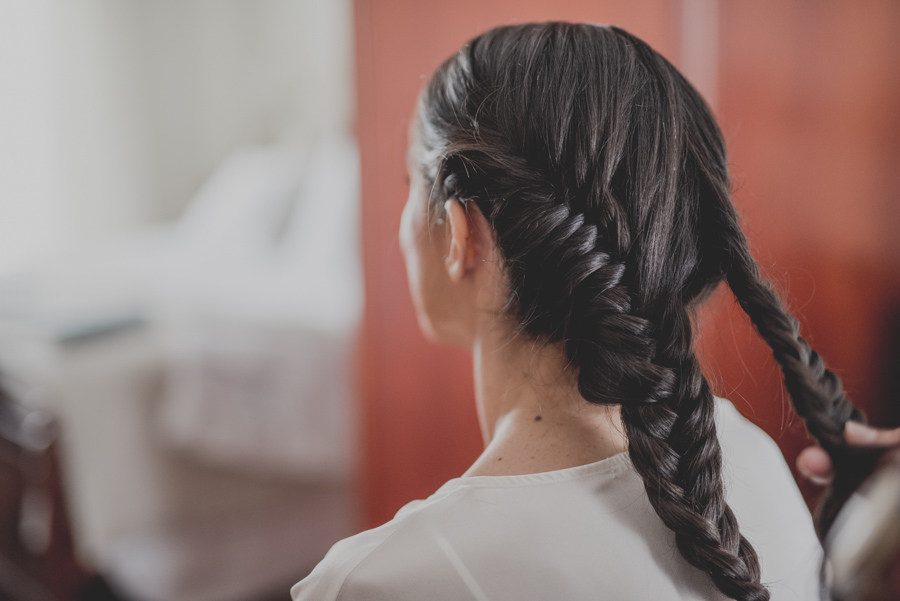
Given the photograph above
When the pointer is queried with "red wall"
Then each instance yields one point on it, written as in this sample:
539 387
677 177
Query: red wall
808 100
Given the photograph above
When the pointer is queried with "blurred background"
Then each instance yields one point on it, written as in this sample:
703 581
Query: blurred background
212 367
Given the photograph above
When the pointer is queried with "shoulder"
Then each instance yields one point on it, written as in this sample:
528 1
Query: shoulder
512 537
751 457
402 559
431 549
771 511
545 535
326 580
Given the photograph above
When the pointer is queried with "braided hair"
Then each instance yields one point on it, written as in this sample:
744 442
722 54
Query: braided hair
604 177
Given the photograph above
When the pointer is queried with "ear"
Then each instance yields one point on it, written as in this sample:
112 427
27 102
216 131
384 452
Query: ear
462 252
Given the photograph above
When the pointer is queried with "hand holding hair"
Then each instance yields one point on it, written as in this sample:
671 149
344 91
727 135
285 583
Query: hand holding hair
815 464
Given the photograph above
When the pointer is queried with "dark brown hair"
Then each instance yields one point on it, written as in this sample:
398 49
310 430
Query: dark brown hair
604 176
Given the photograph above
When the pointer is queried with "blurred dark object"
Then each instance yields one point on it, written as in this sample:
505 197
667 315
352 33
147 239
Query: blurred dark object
860 518
889 364
863 546
37 561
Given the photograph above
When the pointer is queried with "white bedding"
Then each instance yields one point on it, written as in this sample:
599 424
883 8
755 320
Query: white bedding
203 376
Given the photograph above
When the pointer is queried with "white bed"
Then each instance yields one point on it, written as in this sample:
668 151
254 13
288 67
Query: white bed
203 376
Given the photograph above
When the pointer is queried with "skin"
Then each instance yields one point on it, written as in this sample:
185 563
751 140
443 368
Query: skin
814 463
531 415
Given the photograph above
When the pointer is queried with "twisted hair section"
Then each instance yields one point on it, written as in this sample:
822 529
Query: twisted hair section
815 391
604 177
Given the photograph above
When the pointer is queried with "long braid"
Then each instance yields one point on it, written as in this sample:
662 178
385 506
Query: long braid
667 405
815 391
674 448
671 428
673 444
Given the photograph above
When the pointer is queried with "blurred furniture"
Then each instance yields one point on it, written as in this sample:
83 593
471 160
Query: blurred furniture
37 560
202 374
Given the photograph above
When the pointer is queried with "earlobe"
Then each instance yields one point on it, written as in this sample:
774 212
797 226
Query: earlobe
460 245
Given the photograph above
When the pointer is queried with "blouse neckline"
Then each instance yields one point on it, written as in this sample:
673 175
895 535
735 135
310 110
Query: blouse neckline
612 466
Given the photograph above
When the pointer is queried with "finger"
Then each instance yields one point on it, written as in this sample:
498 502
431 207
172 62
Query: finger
815 465
862 435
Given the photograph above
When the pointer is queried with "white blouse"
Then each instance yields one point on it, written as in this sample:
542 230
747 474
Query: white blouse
586 532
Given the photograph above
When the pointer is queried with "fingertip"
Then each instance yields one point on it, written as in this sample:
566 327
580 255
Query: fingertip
815 465
859 434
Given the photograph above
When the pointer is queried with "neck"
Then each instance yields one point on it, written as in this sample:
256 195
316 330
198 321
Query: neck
532 417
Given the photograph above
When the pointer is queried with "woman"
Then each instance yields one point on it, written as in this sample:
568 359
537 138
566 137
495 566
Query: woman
569 210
